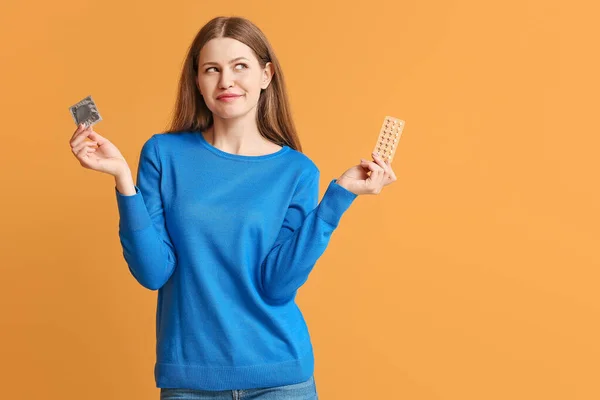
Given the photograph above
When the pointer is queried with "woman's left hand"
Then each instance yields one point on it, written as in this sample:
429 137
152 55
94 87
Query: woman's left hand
359 182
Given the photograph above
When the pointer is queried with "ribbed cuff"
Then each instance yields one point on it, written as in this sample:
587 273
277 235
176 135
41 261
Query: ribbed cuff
132 211
335 202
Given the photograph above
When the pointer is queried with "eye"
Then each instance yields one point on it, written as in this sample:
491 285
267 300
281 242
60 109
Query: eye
209 68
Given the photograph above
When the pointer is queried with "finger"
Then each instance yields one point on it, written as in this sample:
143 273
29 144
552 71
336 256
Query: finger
391 175
384 178
87 155
387 179
97 137
80 127
374 180
372 166
78 148
377 177
81 137
380 177
83 152
84 146
380 161
379 180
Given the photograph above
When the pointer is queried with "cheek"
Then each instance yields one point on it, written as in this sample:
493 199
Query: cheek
204 84
250 83
207 82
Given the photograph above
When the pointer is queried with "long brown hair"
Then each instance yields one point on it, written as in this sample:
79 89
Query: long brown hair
273 115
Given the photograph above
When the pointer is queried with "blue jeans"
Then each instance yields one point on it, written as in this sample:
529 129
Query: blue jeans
297 391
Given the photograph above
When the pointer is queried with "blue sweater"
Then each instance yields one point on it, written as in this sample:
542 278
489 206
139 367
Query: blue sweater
227 240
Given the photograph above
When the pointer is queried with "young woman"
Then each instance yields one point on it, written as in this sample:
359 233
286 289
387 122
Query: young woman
225 222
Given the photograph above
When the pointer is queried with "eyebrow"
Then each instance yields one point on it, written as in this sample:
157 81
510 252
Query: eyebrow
230 62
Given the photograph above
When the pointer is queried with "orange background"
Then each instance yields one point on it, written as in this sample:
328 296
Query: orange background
474 276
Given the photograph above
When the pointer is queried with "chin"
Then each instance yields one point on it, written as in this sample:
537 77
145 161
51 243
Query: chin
231 112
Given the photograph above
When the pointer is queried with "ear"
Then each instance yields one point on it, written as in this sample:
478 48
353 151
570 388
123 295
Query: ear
267 75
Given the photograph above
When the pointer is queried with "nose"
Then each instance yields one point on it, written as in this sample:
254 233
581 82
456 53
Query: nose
226 80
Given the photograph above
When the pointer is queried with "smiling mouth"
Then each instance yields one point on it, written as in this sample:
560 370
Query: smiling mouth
228 98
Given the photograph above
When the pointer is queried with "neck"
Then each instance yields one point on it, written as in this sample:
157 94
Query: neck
237 136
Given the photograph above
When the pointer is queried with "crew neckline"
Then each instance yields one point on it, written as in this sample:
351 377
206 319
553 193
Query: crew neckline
219 152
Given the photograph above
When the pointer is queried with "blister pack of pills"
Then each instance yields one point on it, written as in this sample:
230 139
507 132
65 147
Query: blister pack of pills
390 133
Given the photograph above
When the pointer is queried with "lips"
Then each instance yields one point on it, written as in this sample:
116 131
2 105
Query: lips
228 96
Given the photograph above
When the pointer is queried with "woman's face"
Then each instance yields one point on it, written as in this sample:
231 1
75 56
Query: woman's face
228 66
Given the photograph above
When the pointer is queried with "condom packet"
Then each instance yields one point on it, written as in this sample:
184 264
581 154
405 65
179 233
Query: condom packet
86 112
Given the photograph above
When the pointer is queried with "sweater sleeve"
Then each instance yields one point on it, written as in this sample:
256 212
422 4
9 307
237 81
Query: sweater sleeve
303 238
147 247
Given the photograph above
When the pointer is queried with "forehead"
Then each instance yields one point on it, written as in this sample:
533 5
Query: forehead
224 49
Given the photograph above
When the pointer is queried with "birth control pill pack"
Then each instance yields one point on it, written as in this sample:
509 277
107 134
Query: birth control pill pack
390 133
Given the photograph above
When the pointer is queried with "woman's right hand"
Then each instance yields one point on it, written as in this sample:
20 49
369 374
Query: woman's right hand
104 158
